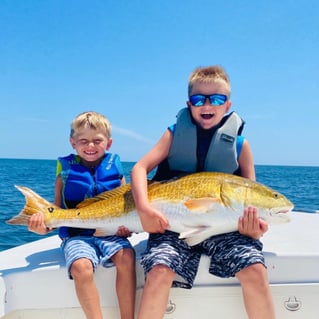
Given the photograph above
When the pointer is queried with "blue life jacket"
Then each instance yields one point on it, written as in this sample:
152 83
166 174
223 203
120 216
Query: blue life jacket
79 183
190 152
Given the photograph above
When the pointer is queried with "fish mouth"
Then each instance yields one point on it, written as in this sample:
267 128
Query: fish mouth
282 210
281 214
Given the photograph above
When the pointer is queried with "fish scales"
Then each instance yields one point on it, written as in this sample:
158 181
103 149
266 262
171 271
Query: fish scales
187 187
197 206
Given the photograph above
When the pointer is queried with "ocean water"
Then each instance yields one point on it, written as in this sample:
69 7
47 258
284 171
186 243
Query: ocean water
300 184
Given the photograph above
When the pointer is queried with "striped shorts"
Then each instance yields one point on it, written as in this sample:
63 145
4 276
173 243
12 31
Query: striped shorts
98 250
229 254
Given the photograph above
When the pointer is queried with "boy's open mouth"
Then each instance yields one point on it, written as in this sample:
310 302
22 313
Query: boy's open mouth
207 116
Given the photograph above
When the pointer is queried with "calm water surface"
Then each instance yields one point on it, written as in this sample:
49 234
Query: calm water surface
299 184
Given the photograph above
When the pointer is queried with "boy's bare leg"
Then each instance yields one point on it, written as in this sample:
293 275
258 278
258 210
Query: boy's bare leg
256 291
124 261
86 290
155 293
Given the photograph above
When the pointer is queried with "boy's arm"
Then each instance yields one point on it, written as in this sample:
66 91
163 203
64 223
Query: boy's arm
250 224
153 221
58 191
36 222
246 162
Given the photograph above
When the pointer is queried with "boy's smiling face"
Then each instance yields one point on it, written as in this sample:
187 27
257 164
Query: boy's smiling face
90 144
207 116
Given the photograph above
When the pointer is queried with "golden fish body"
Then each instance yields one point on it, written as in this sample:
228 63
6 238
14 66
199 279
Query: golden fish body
197 206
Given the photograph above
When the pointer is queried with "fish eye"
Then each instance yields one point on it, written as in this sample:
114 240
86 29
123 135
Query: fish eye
50 209
276 195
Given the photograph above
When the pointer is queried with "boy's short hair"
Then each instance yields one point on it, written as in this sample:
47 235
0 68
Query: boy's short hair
92 120
209 74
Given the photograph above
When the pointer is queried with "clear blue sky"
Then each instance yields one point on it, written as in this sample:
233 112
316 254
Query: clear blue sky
130 60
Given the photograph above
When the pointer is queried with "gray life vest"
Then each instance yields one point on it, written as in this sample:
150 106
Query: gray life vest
221 155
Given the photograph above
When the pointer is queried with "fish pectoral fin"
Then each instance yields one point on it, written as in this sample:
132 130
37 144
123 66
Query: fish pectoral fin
195 240
192 232
201 205
100 232
198 234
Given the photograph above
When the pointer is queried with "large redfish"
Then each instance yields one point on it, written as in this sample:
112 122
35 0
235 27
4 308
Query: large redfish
197 206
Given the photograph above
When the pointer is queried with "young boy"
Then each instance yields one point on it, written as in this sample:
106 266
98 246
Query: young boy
87 174
204 138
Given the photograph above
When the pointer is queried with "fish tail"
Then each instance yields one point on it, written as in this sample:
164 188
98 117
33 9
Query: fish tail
34 204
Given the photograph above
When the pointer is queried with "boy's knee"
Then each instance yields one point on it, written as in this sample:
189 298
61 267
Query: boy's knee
253 274
124 258
81 268
161 274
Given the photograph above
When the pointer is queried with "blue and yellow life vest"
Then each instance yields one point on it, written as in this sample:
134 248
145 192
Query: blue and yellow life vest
79 183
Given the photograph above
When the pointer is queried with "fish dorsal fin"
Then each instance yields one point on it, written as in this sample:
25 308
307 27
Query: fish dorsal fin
119 191
116 192
201 205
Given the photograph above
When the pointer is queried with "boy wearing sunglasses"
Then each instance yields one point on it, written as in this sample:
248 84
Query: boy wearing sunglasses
204 138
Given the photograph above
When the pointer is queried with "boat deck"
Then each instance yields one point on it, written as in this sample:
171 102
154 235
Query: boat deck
34 282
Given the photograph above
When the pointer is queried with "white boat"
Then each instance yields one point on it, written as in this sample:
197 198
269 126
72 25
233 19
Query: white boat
34 283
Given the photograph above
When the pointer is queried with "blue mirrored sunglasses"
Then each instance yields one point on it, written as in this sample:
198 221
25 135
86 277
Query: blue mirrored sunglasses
214 99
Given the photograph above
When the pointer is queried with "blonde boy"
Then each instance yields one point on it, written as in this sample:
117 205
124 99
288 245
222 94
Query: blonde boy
204 138
86 174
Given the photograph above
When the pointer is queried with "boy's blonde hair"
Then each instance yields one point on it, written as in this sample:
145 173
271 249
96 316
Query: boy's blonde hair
92 120
209 74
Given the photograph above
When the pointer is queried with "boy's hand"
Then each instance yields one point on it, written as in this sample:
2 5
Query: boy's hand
122 231
36 224
250 224
153 221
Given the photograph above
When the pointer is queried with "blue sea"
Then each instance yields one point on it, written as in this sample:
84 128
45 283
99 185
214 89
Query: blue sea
300 184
